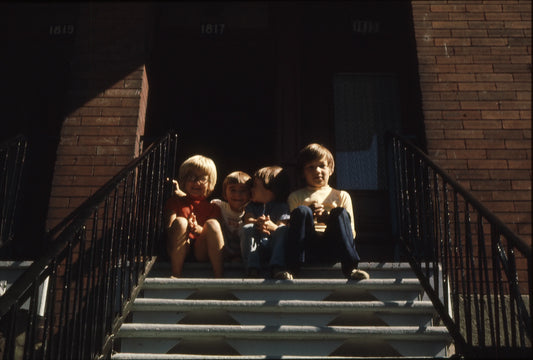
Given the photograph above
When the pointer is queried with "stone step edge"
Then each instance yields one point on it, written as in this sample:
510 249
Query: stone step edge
283 332
146 356
390 266
283 306
269 284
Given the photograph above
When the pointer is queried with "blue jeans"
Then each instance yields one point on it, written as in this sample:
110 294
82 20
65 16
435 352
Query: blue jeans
259 249
306 246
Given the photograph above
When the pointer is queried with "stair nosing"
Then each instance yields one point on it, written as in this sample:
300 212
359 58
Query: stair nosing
147 330
286 306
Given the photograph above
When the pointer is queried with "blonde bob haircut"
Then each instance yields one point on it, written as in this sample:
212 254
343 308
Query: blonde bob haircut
236 177
314 152
202 164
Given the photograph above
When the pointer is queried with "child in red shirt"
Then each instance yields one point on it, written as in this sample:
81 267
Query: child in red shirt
191 220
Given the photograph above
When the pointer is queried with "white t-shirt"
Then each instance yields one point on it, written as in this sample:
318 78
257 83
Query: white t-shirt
327 196
232 219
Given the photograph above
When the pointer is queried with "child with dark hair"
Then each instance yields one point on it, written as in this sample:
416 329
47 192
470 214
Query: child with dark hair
264 233
322 220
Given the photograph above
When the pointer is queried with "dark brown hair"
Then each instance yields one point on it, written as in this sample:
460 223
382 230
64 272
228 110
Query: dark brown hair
275 179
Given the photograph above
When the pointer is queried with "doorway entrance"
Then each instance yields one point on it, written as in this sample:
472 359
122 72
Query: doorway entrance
213 84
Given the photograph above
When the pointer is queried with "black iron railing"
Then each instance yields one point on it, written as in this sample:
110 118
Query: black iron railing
474 269
12 158
72 300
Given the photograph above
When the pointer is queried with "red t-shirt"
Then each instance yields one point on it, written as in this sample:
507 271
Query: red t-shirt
184 206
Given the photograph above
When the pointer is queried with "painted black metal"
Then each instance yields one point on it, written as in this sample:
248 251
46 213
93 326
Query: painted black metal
12 158
98 255
475 287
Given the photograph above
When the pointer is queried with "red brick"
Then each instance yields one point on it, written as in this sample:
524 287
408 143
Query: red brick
482 105
463 134
506 154
473 68
487 164
477 86
76 150
450 24
446 144
114 150
473 174
100 121
510 174
519 164
491 185
453 164
98 140
453 115
500 115
118 111
466 154
521 185
482 124
515 105
456 77
485 144
518 144
443 105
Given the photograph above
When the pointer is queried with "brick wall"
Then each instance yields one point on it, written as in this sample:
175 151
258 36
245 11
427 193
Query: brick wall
108 96
475 74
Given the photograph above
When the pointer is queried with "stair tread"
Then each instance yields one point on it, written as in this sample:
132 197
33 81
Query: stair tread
256 284
156 304
308 332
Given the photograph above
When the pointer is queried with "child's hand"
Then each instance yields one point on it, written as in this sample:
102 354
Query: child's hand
176 187
265 225
319 212
193 225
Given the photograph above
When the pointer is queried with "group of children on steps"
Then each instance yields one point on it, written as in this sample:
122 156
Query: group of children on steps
258 222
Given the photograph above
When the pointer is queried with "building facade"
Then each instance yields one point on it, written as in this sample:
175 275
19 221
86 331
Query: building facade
250 83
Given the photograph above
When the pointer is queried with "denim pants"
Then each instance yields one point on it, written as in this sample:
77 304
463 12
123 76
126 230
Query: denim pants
306 246
260 249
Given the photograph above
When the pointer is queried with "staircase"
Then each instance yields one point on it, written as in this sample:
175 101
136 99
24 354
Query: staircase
319 315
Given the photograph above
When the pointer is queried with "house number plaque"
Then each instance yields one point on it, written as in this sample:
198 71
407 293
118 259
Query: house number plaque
212 29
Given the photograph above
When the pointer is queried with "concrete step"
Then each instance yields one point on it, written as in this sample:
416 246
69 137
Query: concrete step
388 270
297 289
285 340
320 314
288 312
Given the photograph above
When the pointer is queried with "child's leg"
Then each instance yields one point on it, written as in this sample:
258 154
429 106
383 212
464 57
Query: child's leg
177 244
247 242
252 247
279 239
301 229
210 246
339 235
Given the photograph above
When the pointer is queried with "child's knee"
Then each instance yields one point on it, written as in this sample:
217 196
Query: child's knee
213 225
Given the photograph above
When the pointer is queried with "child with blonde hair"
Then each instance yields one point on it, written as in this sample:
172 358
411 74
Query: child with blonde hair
191 221
322 220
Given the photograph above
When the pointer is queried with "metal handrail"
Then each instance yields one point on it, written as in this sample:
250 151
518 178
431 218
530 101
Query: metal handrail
471 265
12 159
70 302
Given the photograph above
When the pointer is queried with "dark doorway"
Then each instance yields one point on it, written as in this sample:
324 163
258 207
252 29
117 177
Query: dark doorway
212 83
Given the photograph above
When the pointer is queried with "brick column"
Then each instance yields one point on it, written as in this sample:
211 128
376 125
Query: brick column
106 118
475 72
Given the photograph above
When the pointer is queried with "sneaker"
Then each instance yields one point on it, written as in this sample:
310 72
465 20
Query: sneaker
283 275
357 274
